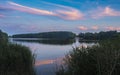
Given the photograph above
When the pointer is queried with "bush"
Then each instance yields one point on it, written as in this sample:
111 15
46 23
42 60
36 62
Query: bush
102 59
3 37
15 60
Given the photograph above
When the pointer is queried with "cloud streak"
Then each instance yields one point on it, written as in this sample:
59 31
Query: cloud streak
66 13
30 10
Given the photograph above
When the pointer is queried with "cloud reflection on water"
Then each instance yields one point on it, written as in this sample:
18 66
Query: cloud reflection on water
57 61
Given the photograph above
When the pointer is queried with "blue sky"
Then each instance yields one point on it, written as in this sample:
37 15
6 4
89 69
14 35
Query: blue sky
30 16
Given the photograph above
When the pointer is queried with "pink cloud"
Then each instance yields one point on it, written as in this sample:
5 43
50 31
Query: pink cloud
107 28
82 28
94 27
1 16
112 28
30 10
103 12
70 15
67 13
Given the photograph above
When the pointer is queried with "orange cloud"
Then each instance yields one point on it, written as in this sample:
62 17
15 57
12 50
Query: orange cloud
102 12
66 13
82 28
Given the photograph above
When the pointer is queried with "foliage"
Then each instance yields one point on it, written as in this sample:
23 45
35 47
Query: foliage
102 59
15 59
50 35
98 36
3 37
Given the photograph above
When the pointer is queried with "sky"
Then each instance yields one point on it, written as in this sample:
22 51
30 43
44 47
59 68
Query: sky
33 16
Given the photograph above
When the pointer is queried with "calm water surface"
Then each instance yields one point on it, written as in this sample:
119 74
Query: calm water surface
47 55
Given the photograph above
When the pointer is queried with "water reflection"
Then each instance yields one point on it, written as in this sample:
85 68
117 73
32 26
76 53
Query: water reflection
44 62
49 61
47 41
88 41
48 52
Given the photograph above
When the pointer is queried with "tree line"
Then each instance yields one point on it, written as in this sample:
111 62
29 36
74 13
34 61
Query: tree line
69 35
98 36
49 35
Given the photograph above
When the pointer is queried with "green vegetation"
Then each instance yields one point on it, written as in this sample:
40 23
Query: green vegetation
3 37
15 59
98 36
48 35
102 59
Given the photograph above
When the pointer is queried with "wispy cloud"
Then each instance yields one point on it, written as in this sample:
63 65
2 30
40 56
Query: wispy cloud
70 15
112 28
65 12
103 12
30 10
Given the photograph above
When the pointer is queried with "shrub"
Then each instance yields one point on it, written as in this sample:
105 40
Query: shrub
15 60
102 59
3 37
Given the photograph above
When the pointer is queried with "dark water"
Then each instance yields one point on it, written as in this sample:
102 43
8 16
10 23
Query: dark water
48 53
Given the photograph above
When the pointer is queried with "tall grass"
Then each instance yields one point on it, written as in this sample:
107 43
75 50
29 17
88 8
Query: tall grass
15 60
103 59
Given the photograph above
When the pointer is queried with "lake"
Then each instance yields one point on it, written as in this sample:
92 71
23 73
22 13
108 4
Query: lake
49 53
